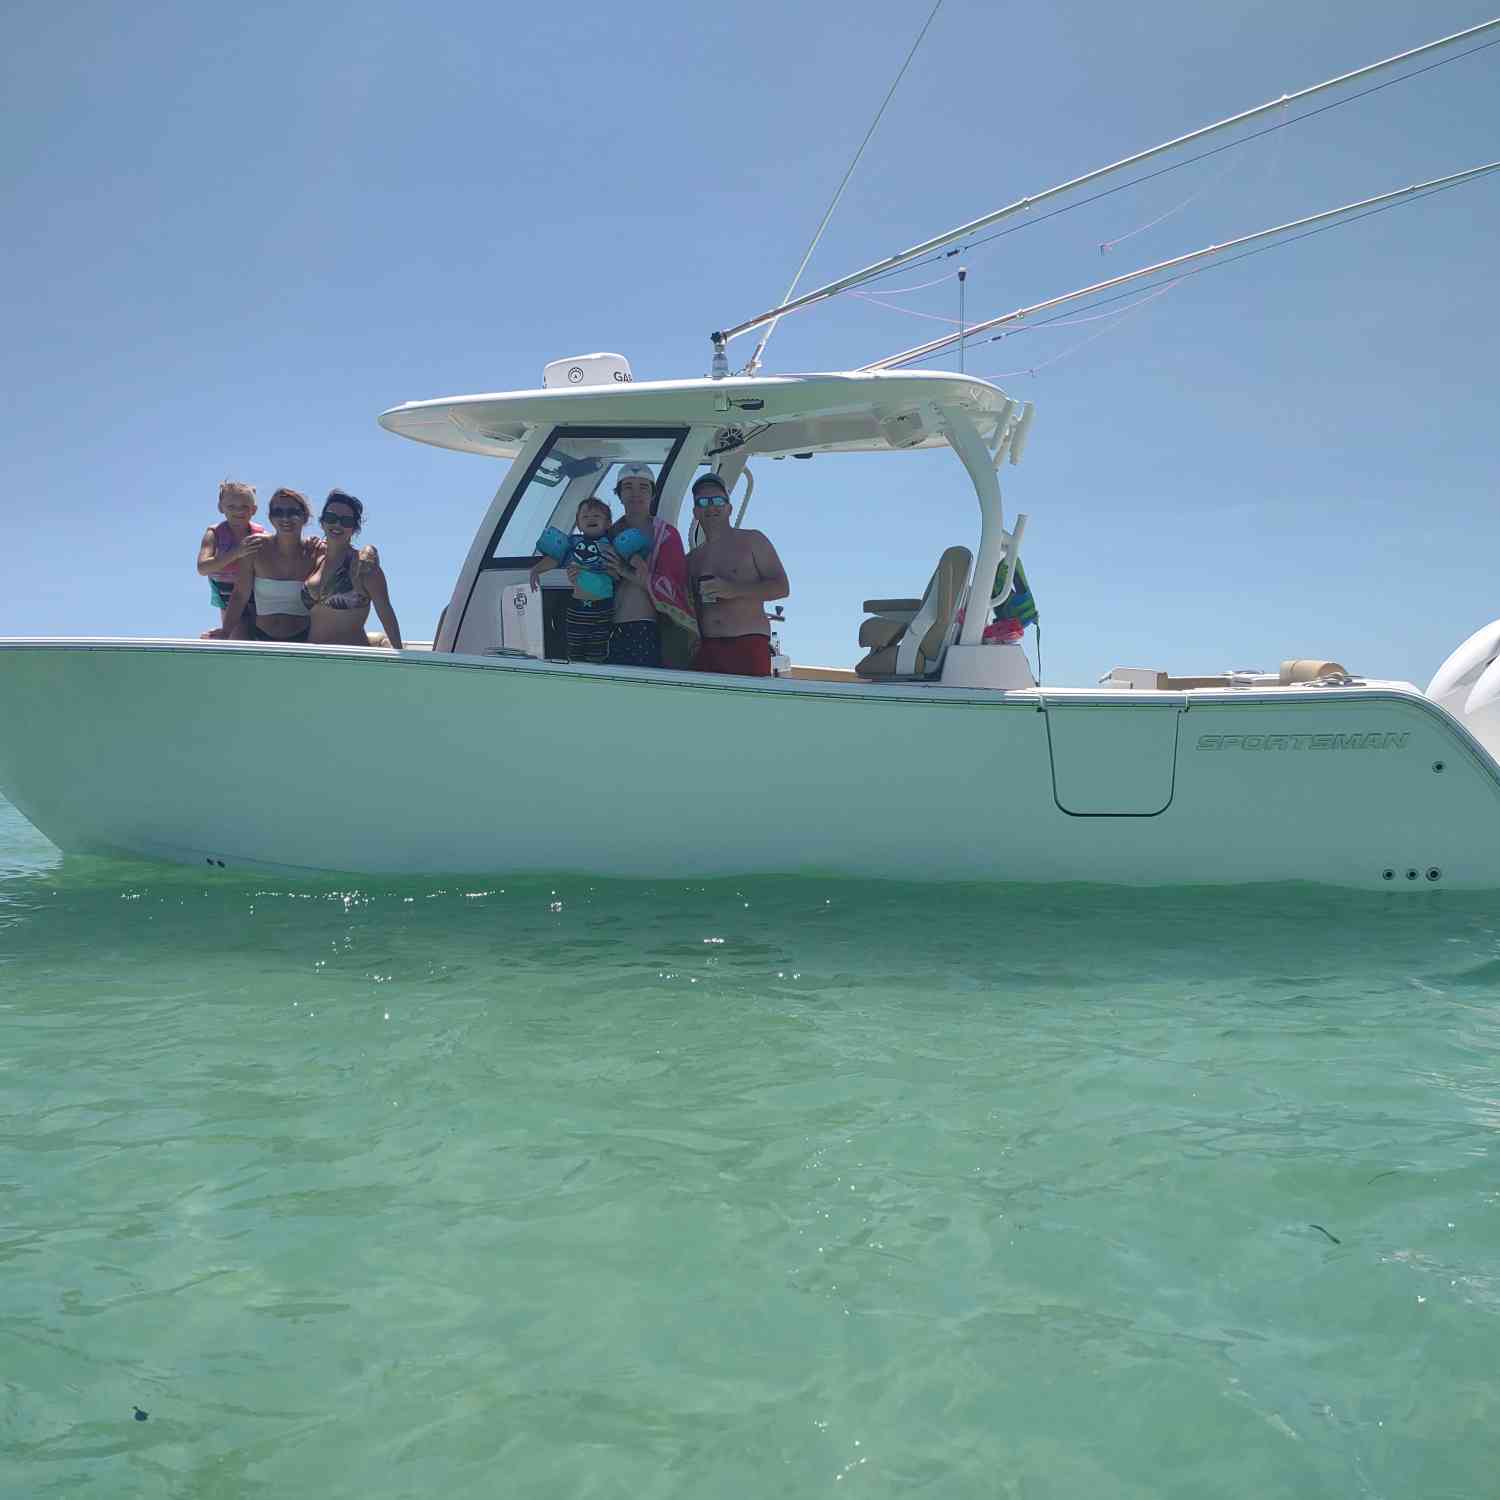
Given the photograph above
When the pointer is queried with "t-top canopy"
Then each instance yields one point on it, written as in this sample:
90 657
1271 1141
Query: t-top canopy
860 411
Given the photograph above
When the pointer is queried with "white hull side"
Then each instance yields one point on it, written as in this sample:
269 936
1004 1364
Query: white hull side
374 762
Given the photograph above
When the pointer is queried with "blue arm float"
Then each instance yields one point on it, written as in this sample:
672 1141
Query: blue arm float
553 543
631 542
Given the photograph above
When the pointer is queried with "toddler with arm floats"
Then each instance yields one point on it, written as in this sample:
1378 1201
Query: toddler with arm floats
586 555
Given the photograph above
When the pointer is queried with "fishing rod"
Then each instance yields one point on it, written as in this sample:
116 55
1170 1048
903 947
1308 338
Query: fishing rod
933 346
722 338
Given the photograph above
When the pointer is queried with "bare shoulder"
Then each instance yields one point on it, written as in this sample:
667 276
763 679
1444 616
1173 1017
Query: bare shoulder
760 544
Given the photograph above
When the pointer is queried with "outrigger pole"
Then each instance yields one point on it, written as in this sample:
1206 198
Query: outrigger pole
1022 205
933 346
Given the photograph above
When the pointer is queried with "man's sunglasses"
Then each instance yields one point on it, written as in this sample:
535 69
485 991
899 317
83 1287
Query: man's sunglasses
332 518
709 497
285 513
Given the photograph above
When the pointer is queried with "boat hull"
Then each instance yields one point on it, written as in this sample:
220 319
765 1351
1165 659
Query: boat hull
330 759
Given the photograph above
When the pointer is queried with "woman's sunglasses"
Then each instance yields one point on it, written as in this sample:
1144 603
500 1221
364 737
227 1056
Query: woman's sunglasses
332 518
286 513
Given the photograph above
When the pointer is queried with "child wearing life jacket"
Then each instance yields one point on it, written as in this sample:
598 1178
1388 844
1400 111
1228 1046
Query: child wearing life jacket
222 548
591 610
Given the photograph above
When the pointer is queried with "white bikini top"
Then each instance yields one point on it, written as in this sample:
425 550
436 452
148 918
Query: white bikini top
279 596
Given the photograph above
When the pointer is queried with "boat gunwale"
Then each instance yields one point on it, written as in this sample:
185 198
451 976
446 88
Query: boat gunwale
1036 697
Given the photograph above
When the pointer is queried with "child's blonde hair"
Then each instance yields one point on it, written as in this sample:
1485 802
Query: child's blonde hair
236 487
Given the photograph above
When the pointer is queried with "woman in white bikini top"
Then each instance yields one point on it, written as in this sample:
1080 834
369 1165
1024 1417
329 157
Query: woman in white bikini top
276 573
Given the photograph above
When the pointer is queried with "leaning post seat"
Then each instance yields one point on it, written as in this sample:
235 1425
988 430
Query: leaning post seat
906 638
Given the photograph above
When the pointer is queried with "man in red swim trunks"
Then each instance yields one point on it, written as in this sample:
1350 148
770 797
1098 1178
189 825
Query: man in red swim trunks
733 573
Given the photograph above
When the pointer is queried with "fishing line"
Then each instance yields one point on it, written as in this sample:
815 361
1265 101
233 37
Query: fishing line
910 312
921 286
1114 321
1067 320
1217 180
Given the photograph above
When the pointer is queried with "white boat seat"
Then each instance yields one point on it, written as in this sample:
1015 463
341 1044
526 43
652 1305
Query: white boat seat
909 638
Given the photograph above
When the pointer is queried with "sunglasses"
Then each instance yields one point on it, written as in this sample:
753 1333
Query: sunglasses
332 518
709 498
286 513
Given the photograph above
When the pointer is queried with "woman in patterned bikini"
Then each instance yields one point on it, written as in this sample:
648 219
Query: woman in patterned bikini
347 581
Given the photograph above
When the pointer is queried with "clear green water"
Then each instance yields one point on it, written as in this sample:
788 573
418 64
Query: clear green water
771 1187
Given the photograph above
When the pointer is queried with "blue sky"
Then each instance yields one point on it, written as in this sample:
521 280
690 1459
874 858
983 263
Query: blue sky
232 237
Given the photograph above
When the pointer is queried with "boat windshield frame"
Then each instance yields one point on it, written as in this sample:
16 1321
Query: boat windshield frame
678 435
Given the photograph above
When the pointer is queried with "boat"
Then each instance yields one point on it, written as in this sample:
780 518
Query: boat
937 756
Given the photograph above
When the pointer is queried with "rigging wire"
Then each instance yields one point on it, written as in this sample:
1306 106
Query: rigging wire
754 362
1109 192
1211 265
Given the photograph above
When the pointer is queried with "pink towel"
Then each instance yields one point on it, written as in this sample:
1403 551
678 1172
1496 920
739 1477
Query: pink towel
669 593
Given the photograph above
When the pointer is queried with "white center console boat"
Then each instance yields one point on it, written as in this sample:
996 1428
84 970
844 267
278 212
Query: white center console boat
936 757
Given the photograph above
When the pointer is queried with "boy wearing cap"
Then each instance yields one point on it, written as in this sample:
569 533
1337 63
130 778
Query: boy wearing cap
734 573
655 624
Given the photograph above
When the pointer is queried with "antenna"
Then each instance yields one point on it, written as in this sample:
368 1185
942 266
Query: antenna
963 329
1022 205
934 346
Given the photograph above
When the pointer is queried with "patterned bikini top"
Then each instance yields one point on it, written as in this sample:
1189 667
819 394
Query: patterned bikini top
343 588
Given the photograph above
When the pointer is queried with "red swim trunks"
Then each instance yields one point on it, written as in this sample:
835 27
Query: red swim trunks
743 655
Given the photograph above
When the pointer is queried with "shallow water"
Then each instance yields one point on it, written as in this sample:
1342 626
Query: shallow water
781 1186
